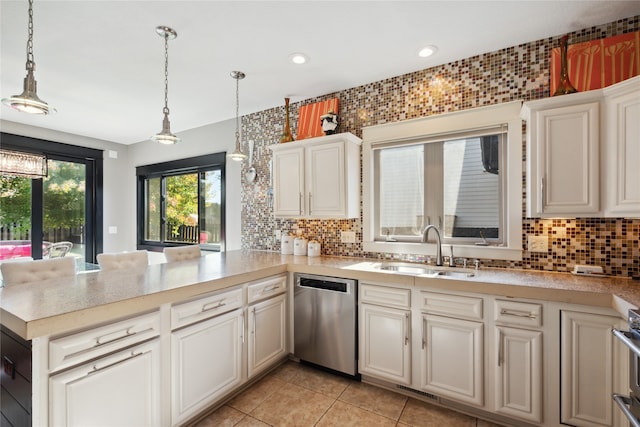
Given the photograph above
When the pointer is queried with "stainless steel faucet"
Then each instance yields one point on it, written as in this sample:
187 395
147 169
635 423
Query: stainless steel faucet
425 236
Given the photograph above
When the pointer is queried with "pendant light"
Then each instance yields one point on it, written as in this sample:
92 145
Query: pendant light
165 136
237 155
28 101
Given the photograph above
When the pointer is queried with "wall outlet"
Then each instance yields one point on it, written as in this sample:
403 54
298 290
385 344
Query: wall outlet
278 234
113 229
537 243
348 236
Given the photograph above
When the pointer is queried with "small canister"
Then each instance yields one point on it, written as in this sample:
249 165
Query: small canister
313 248
300 246
286 244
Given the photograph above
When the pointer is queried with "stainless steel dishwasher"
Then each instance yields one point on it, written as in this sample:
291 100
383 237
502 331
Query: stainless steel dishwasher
325 322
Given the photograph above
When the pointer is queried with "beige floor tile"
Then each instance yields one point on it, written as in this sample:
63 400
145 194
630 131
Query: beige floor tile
422 414
249 421
374 399
249 399
321 382
292 405
223 417
287 371
346 415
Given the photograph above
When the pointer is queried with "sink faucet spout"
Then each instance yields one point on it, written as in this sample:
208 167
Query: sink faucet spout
425 236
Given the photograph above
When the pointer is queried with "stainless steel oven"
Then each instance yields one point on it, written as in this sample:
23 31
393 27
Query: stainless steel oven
630 405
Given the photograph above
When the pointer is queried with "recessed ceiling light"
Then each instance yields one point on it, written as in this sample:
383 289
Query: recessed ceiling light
427 51
298 58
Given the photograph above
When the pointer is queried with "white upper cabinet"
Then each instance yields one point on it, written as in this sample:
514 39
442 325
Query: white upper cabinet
317 178
563 137
582 153
621 150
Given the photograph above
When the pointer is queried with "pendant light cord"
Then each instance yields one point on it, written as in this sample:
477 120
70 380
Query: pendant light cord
165 110
30 63
237 114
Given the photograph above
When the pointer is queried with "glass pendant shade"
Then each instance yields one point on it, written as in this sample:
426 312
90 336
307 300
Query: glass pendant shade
13 163
165 136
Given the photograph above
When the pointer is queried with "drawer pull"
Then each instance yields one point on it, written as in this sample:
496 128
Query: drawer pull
213 305
270 289
516 313
109 338
97 368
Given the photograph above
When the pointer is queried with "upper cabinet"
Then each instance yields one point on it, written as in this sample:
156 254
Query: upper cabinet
317 178
621 150
581 149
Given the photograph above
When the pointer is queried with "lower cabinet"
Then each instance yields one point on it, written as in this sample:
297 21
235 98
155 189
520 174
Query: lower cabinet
120 389
588 355
518 373
267 333
452 358
385 347
206 361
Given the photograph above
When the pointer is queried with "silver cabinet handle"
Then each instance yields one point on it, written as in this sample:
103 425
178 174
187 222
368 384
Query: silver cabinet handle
97 368
300 204
270 289
242 330
424 330
624 336
109 338
309 203
515 313
254 321
500 348
406 335
213 305
542 198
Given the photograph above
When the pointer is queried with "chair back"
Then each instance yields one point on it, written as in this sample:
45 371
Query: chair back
123 260
59 249
15 273
181 253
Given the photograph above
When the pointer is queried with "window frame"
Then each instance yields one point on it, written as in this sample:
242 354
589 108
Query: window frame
198 164
442 127
93 160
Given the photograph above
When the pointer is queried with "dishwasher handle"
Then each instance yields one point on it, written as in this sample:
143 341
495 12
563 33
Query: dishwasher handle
327 285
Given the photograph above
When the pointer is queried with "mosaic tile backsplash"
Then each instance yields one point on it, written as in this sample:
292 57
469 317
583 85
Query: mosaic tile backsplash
518 72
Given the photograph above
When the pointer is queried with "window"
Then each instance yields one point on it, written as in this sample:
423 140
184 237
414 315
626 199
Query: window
460 172
182 202
62 210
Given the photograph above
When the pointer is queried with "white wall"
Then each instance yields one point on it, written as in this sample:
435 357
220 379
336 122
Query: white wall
119 174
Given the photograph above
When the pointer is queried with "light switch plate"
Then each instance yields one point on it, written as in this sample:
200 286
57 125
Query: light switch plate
278 234
348 236
537 243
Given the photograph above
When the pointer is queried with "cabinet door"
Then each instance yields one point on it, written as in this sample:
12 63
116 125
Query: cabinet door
120 389
267 333
288 182
565 176
326 195
452 358
587 354
622 151
518 374
385 347
206 360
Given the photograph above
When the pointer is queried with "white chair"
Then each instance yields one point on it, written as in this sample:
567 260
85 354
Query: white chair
123 260
181 253
15 273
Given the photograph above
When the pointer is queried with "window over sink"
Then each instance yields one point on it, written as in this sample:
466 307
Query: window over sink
461 172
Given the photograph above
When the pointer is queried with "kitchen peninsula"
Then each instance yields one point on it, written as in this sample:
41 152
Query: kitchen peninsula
59 318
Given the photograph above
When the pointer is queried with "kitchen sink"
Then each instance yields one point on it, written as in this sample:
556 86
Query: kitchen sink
425 270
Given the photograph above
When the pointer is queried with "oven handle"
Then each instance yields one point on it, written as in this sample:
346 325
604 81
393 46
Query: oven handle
624 402
625 337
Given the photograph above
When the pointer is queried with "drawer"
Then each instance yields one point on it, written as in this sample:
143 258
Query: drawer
383 295
451 305
205 308
77 348
518 313
266 288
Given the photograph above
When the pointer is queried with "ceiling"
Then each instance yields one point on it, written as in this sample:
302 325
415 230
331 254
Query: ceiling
101 63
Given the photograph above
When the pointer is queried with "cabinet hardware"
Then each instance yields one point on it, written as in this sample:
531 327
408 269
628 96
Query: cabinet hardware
270 289
300 204
127 333
242 333
542 198
309 203
9 367
96 368
254 321
515 313
500 348
406 335
209 305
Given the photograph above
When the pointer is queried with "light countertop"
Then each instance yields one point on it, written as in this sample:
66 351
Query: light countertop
57 305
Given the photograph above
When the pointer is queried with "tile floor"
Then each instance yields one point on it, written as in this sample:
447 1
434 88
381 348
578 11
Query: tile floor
298 395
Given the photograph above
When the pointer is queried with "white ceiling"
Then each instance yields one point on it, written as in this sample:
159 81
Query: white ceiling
101 63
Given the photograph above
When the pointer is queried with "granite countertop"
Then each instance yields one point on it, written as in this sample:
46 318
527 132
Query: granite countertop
57 305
